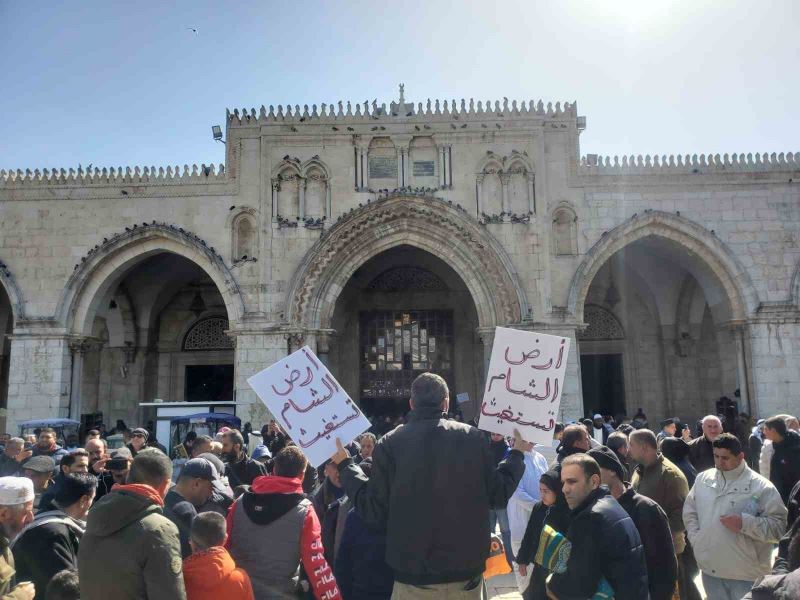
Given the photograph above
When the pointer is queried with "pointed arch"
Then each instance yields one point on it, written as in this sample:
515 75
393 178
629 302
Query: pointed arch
13 292
427 223
105 267
714 254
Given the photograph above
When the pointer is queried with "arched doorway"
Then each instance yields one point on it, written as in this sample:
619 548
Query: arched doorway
6 328
149 311
404 231
664 303
402 313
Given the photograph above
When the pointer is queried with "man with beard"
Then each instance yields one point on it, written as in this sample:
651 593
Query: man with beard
74 462
16 511
46 445
240 468
118 466
50 543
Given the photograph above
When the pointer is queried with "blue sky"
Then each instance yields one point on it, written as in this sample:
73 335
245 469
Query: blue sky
126 83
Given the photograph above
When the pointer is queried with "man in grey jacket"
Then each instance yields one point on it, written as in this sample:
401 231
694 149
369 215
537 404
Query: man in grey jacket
733 517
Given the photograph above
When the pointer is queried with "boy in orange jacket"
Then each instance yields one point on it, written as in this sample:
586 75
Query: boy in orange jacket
210 573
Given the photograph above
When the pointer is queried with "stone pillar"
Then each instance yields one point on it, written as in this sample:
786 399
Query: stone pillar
78 350
276 186
301 185
531 189
39 378
255 351
504 179
741 371
442 166
399 151
478 198
328 206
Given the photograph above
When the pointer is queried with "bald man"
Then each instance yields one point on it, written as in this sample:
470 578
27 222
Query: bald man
701 451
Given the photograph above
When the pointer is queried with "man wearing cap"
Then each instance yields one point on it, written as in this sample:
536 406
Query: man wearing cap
600 429
117 467
668 429
192 490
130 550
39 469
49 544
138 440
650 520
16 511
74 462
221 493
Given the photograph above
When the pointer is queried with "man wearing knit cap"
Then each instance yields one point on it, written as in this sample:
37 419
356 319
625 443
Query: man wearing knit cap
16 511
50 543
138 440
39 469
650 520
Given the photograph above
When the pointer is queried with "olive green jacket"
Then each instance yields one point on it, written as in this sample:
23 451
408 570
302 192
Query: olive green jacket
7 572
666 484
130 551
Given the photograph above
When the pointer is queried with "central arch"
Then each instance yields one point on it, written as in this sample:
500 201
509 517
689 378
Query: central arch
428 223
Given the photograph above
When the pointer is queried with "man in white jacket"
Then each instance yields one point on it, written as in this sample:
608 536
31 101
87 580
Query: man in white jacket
733 518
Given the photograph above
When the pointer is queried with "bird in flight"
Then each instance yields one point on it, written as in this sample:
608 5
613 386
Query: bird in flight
192 29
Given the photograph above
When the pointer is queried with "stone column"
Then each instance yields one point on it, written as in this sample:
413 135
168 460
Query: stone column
39 378
442 179
301 186
478 196
504 179
531 193
276 186
255 351
78 350
399 152
741 371
328 206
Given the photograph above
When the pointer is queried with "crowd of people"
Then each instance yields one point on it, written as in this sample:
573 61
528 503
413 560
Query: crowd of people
407 511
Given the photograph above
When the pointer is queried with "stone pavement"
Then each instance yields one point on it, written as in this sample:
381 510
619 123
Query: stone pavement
504 587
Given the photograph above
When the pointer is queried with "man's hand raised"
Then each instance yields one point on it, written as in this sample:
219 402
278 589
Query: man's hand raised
341 454
520 444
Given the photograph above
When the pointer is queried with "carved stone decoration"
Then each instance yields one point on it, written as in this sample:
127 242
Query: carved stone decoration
209 334
441 223
406 278
603 325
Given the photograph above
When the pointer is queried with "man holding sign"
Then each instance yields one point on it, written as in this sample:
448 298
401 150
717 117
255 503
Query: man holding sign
432 485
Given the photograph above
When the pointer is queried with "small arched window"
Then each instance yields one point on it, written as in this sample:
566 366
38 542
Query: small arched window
208 334
565 232
244 238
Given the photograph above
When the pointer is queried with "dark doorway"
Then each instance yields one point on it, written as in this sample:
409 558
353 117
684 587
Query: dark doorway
209 383
603 384
396 346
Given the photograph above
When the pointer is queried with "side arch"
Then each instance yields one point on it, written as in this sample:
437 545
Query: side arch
729 272
13 292
425 222
109 262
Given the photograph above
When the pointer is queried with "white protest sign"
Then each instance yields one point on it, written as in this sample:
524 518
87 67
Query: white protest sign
309 404
524 384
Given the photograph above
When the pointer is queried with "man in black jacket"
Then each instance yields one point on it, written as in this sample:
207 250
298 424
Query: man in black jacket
240 468
605 541
701 450
432 485
574 441
651 523
49 544
784 470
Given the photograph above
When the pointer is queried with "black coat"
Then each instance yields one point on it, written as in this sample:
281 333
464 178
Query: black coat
754 445
701 454
243 471
784 468
556 516
361 570
653 526
432 485
43 551
605 543
181 512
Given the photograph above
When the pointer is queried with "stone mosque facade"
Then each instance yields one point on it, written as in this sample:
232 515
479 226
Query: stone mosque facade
393 240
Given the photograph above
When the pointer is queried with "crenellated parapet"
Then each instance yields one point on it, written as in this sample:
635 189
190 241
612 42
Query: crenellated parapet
431 110
592 164
113 176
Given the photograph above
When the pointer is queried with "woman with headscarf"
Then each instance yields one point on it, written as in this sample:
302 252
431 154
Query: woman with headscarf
551 511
